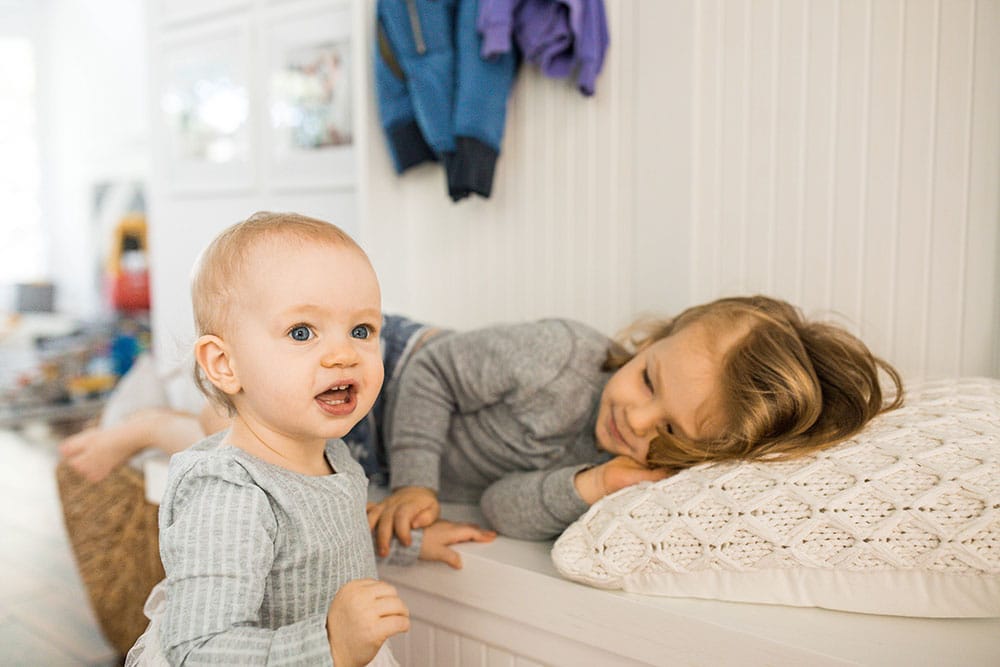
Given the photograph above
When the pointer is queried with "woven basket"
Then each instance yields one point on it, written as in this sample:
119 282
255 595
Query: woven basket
113 532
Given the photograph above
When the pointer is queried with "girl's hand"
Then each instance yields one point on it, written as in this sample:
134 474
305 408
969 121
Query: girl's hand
594 483
363 614
408 507
440 535
95 452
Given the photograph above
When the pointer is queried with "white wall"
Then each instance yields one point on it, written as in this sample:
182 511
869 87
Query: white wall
844 155
93 75
181 227
21 21
183 219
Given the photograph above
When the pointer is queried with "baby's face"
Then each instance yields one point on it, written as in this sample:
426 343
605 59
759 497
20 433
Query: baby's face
305 340
673 383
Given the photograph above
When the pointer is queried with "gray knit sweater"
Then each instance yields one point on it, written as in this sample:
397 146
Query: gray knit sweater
255 553
503 416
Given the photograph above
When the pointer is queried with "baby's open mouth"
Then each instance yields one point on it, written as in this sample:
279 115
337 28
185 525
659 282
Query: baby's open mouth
337 395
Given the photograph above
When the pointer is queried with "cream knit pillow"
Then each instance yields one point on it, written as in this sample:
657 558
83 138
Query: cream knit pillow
902 519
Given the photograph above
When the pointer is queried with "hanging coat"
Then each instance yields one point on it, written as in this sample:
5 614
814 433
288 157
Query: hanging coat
438 99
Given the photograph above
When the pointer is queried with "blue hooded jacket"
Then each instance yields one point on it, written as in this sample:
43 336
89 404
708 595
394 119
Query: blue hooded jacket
438 99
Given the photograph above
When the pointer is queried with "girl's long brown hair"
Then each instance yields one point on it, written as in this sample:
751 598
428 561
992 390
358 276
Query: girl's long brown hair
789 386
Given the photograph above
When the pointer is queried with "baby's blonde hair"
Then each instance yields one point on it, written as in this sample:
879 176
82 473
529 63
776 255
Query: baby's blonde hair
788 386
220 271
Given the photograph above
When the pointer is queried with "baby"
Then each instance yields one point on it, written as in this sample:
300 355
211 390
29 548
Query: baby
263 536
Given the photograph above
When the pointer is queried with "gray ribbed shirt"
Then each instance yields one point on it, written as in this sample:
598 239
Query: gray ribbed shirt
503 416
255 553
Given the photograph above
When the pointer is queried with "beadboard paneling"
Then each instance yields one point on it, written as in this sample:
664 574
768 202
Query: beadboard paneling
842 154
428 644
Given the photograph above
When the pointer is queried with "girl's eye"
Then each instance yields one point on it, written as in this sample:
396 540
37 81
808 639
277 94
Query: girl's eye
300 333
361 331
645 378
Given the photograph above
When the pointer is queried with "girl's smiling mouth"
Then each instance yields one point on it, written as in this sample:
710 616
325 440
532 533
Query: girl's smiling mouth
615 433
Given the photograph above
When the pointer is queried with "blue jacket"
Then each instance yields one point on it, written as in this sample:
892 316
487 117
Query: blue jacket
438 99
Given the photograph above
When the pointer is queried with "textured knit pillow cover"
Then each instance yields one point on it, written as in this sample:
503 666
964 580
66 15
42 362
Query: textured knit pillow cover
903 519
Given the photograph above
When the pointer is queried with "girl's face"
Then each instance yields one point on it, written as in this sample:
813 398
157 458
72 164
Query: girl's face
673 383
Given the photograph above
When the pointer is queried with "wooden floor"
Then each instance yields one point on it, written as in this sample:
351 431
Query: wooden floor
45 618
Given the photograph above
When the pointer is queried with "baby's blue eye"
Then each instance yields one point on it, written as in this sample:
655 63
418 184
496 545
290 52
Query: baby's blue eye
361 331
300 333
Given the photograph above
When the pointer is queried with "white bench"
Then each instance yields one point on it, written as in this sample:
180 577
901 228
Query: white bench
508 606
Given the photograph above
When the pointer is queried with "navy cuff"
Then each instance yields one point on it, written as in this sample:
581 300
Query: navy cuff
408 146
470 170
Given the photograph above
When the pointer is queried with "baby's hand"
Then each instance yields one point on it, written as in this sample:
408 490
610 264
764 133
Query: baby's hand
594 483
440 535
363 614
407 508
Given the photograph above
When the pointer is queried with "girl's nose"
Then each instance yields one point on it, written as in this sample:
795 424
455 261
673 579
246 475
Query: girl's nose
642 419
341 353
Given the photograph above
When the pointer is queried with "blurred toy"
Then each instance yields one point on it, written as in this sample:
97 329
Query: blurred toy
81 365
128 266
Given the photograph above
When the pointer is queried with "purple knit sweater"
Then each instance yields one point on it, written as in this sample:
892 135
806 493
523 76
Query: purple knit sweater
559 36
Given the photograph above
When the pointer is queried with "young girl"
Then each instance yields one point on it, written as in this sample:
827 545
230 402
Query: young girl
263 536
538 421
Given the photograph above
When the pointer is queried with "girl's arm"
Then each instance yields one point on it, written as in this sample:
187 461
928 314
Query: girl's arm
441 535
435 542
463 373
536 505
95 452
541 504
452 374
594 483
530 379
406 510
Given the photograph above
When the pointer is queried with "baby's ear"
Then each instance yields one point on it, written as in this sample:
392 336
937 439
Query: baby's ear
213 355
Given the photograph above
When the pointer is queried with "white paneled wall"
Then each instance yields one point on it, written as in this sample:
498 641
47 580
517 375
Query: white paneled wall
428 644
842 154
190 203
